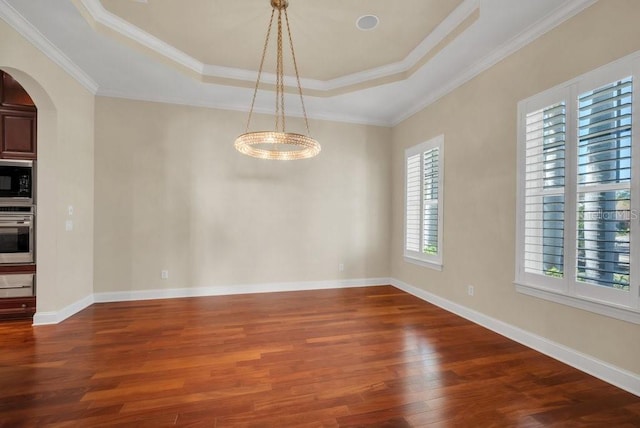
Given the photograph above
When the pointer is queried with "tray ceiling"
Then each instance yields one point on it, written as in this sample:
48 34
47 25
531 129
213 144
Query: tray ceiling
206 54
231 33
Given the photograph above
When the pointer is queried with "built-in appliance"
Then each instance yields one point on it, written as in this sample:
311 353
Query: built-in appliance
16 182
16 234
16 285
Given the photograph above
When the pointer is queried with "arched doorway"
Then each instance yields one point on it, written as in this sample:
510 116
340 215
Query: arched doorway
45 185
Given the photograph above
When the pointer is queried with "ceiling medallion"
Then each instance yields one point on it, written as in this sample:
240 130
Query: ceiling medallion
278 144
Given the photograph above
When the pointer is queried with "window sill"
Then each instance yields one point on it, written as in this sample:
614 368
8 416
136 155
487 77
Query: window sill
616 312
424 263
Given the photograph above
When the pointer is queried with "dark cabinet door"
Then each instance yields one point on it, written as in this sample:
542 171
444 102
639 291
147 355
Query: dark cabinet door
17 134
17 308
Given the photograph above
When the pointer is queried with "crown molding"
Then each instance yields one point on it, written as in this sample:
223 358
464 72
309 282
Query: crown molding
29 32
455 18
565 12
102 16
188 101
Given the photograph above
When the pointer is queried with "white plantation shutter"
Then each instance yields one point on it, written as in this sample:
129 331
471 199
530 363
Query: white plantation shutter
423 202
544 191
414 195
577 239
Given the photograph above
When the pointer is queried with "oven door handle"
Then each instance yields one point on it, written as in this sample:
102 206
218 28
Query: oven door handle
23 222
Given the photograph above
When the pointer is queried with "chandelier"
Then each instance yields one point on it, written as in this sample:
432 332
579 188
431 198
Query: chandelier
278 144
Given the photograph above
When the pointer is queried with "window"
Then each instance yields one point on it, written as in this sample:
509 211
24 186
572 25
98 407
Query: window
577 207
424 174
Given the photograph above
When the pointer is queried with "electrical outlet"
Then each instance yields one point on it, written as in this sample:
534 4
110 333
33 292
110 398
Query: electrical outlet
164 274
470 290
341 267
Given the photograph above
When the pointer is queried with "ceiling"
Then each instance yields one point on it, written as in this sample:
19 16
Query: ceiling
207 54
231 33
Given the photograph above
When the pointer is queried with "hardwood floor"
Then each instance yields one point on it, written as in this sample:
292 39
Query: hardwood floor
372 356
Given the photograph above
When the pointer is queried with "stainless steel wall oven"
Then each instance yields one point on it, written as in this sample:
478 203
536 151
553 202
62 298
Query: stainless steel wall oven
16 234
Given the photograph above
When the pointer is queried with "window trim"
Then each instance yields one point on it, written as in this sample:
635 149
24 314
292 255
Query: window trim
602 308
568 290
430 261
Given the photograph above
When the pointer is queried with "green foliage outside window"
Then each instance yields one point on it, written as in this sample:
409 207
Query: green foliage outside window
431 250
554 271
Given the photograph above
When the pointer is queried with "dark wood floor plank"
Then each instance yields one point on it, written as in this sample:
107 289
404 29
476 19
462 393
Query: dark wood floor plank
372 356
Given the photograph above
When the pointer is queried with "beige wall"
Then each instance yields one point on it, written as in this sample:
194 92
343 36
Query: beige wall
65 172
172 193
479 124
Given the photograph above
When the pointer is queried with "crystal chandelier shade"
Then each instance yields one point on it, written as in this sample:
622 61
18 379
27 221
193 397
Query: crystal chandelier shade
278 144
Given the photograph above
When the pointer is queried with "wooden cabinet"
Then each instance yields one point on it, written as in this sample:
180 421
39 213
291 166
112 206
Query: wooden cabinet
17 307
18 134
18 121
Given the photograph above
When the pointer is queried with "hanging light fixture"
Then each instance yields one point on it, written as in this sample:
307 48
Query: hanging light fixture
278 144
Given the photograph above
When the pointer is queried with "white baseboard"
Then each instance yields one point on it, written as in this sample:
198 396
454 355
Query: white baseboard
44 318
123 296
617 376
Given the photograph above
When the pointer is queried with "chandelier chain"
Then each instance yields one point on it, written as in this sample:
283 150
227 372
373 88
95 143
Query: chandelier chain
295 67
264 54
280 78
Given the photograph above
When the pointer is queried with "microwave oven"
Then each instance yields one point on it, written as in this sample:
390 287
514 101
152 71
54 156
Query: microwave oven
16 182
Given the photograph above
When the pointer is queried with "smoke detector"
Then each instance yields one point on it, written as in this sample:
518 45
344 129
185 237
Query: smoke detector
367 22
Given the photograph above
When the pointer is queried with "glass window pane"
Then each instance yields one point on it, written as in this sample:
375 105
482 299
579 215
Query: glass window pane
431 171
430 231
604 130
603 238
